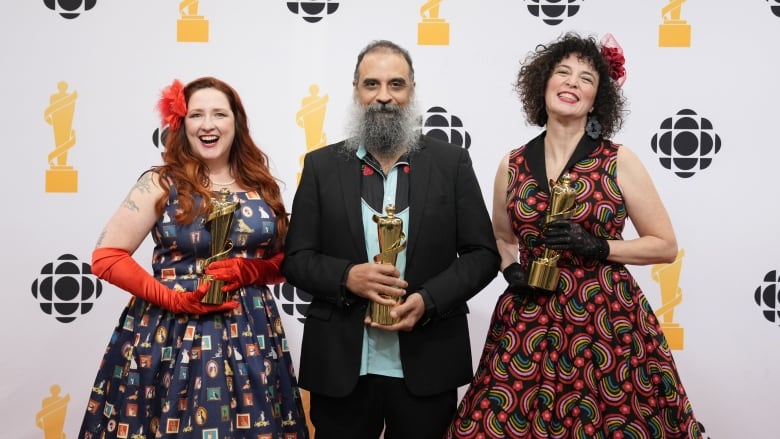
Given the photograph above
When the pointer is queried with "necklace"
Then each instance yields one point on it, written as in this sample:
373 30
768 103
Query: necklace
215 183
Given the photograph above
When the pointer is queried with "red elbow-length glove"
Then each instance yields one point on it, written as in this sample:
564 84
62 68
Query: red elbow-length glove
118 267
239 272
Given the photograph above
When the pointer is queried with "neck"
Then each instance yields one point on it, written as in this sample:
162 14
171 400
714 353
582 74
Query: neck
562 142
386 161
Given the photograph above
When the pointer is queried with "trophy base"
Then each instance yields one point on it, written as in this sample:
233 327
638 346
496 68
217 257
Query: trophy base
674 35
542 275
381 314
674 335
433 33
62 180
192 31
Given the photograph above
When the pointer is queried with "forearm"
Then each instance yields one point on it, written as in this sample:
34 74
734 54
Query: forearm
645 250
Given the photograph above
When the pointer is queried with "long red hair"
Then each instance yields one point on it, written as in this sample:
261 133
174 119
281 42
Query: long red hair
248 163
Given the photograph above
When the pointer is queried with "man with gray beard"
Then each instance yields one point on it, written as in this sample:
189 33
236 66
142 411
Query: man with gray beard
400 376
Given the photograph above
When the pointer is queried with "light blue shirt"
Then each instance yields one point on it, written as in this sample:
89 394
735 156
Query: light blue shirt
381 350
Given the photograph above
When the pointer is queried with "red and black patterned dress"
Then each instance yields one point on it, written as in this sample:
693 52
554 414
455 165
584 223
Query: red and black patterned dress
588 360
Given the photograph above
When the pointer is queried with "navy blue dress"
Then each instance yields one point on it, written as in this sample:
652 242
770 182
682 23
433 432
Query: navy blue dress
213 376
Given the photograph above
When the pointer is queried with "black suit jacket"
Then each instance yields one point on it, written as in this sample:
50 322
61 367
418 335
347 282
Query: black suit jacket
451 253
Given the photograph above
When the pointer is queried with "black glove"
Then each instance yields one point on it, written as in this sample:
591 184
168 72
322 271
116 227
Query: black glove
565 235
515 277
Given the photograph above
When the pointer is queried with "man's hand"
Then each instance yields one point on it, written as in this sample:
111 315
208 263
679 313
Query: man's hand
408 314
371 280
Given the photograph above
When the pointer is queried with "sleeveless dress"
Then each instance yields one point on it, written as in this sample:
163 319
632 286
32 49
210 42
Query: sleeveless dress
588 360
214 376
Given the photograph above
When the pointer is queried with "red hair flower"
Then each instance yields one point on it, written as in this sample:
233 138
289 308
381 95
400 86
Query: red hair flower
613 54
172 106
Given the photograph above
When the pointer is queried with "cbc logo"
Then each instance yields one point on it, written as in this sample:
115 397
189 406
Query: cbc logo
313 11
158 138
445 127
686 144
774 6
767 297
66 289
70 8
293 301
553 12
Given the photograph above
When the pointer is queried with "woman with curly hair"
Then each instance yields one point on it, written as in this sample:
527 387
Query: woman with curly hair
574 350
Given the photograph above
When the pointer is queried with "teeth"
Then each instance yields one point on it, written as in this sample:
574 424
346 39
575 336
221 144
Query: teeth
209 139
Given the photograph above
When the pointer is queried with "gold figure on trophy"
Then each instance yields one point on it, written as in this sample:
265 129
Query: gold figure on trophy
191 28
674 32
311 117
59 114
219 222
543 272
432 30
51 417
392 241
668 277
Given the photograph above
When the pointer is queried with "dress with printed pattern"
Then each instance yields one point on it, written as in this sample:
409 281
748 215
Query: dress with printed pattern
214 376
588 360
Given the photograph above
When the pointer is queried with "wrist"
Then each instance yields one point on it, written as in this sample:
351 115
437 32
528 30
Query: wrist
602 250
514 274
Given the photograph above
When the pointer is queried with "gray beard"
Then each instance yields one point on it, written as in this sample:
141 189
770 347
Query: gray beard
384 129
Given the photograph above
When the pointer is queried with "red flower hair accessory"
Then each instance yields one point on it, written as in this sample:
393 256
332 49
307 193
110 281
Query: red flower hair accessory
172 106
613 54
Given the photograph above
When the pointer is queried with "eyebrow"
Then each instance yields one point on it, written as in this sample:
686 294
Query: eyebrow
397 79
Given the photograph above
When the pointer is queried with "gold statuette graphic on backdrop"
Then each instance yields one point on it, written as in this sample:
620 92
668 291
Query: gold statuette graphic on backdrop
219 222
60 177
191 28
674 32
311 117
51 417
392 241
432 30
543 272
668 277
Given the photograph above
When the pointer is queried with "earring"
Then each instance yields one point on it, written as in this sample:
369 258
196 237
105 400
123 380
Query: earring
593 128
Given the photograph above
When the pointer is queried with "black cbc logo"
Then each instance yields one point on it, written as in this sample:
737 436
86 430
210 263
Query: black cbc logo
66 288
687 143
313 11
553 12
70 8
293 301
443 126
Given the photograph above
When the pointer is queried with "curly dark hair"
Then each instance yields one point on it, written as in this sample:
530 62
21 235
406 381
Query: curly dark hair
248 163
536 69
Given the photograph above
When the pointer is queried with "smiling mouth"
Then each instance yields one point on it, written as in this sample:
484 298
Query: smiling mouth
209 140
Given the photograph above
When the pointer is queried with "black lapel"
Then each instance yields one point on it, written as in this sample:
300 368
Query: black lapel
534 155
349 177
420 173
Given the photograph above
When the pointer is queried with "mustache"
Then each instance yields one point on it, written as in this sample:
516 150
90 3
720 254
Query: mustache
378 107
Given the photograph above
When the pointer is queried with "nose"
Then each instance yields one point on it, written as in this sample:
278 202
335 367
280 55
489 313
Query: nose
208 122
383 95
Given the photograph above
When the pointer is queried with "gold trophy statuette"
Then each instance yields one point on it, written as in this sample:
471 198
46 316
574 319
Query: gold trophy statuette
191 27
61 177
219 222
544 270
668 277
432 30
392 240
674 32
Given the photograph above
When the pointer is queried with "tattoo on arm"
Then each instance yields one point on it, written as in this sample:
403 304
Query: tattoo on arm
144 185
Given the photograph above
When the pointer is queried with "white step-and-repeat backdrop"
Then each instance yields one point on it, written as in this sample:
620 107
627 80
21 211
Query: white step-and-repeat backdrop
80 80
